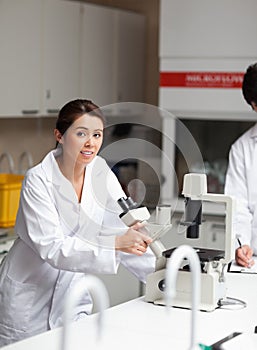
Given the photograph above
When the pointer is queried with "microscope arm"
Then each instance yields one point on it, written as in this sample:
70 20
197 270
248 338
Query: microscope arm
156 231
229 234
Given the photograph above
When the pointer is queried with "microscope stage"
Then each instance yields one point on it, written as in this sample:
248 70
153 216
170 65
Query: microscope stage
205 255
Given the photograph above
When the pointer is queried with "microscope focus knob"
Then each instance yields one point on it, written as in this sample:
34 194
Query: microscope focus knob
161 285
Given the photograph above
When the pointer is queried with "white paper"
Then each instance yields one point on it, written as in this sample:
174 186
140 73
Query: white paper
234 267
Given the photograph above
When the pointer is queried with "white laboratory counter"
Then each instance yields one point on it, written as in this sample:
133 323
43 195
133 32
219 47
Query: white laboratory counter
137 324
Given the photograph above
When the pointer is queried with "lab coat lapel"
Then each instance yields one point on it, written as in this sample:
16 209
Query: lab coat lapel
64 195
84 219
54 176
93 201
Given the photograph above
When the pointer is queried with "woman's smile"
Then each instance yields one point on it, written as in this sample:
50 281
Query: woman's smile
87 154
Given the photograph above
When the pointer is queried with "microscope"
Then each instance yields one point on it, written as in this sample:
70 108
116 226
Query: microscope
132 214
213 262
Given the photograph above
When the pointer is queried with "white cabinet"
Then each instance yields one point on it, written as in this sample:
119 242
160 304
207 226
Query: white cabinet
130 57
39 61
20 57
200 28
60 42
53 51
97 54
203 56
112 64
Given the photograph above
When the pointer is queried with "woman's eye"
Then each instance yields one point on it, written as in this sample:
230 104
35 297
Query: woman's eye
81 133
97 135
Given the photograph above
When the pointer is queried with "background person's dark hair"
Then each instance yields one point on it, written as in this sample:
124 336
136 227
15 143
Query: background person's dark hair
249 87
74 110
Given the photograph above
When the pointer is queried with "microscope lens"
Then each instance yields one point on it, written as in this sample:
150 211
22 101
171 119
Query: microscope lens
123 204
193 231
131 204
193 215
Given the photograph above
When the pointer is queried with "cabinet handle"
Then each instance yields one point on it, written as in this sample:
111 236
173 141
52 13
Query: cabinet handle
30 111
218 226
52 111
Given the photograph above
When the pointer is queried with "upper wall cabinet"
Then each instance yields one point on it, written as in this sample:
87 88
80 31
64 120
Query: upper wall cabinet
97 54
20 57
61 32
39 61
213 29
130 56
53 51
112 58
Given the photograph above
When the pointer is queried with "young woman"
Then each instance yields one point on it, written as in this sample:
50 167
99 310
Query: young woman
67 225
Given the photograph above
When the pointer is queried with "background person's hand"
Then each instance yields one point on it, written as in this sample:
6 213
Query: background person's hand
244 256
133 241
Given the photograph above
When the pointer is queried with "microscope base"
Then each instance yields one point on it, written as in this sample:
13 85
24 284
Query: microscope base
211 290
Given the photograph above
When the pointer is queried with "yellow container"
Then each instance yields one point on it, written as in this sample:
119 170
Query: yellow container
10 187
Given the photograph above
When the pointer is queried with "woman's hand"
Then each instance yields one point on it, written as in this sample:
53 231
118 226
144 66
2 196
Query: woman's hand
244 256
133 241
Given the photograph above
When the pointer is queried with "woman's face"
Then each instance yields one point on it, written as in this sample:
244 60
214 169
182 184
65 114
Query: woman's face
83 140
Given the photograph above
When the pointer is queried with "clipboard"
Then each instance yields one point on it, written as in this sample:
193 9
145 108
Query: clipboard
234 267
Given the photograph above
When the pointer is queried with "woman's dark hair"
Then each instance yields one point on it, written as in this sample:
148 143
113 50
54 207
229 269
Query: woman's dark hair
75 109
249 87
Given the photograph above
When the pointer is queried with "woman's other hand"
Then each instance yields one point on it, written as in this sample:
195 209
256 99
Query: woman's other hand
133 241
244 256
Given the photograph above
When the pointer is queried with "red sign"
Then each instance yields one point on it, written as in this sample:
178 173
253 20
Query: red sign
219 80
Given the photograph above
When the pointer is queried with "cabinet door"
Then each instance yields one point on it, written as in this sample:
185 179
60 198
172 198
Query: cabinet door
200 29
130 57
20 25
112 64
97 54
61 30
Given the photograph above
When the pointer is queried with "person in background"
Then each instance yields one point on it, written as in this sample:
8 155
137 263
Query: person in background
241 178
67 225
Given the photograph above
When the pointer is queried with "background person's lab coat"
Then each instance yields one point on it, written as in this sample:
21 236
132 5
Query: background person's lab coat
241 182
59 240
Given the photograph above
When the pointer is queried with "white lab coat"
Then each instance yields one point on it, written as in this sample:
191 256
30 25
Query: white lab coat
60 240
241 182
